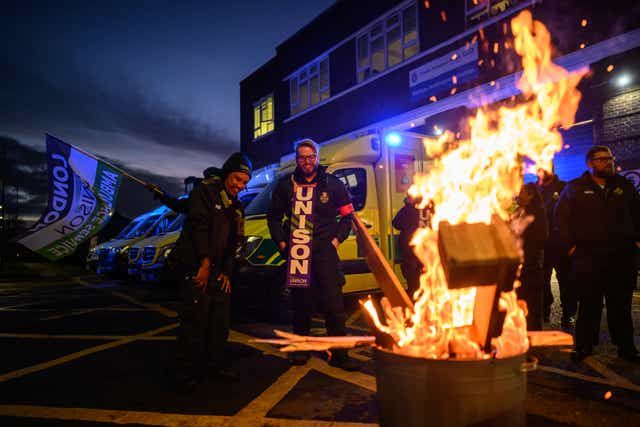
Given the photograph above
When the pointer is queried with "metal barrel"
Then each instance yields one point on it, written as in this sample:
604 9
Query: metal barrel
415 391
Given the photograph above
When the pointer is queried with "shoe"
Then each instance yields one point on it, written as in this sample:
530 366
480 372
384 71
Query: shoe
578 356
346 363
298 357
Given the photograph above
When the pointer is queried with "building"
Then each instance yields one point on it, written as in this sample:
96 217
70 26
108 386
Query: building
379 66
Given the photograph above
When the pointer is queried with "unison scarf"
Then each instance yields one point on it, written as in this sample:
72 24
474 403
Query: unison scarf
301 236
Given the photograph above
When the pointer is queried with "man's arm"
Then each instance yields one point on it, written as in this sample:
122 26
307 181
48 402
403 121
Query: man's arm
175 204
276 213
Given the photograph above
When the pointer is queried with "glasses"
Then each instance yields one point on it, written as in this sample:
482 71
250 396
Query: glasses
309 158
602 159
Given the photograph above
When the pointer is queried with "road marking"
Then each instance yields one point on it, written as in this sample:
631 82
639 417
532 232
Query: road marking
597 380
356 378
606 372
111 416
153 307
76 312
64 359
261 405
86 337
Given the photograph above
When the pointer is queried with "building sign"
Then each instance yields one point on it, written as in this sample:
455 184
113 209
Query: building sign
443 73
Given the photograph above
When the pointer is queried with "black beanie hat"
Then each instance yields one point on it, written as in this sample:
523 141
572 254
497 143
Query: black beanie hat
237 162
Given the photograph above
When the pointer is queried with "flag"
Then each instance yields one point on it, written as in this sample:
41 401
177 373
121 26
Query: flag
82 195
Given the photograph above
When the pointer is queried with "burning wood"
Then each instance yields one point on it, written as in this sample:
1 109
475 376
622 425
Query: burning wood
471 256
293 342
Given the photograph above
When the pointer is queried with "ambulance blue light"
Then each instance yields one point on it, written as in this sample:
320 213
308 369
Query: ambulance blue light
393 139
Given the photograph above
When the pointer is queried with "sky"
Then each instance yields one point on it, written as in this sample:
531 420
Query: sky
151 85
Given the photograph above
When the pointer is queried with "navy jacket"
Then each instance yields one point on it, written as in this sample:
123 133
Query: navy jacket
213 228
550 195
332 208
596 219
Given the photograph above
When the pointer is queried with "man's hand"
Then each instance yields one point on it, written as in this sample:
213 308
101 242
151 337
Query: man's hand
282 246
638 245
225 283
572 250
202 278
335 242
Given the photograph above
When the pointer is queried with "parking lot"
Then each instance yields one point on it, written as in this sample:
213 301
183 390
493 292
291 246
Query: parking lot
90 351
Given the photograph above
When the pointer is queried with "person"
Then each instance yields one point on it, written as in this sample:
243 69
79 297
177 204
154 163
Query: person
211 174
533 240
550 187
330 200
598 218
205 255
407 221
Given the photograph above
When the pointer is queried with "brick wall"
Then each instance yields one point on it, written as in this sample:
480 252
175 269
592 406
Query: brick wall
619 127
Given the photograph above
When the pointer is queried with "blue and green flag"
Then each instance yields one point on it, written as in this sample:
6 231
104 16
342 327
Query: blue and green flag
82 196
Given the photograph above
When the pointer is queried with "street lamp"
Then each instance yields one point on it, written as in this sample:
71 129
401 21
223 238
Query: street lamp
623 80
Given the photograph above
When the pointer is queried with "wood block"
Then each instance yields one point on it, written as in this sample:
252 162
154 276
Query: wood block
382 271
478 254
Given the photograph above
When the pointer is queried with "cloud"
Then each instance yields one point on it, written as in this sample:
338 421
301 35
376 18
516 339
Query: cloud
27 169
85 102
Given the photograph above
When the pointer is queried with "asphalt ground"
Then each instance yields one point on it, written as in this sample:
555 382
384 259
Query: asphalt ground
91 351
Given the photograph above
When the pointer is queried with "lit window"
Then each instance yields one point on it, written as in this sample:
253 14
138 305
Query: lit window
387 43
263 117
309 86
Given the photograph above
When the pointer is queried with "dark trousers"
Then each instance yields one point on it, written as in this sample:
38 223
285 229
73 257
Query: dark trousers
204 329
411 271
556 259
324 295
611 277
531 289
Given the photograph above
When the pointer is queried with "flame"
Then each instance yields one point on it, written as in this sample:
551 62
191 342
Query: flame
469 182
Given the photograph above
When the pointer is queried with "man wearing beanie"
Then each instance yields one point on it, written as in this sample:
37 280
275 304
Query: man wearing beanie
204 256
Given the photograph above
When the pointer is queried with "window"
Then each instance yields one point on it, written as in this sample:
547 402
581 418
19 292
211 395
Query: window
263 116
355 180
387 43
309 85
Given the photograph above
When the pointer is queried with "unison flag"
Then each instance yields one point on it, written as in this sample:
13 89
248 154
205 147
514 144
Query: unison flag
82 194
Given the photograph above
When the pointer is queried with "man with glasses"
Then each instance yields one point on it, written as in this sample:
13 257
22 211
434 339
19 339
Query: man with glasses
598 218
317 213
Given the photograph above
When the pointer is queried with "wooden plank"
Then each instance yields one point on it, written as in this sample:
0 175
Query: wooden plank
382 271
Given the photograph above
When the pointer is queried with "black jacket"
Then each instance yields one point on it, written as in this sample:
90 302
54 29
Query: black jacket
550 195
331 200
596 219
213 228
407 221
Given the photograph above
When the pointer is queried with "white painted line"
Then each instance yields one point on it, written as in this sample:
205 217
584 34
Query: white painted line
86 337
73 356
599 367
76 312
261 405
153 307
588 378
111 416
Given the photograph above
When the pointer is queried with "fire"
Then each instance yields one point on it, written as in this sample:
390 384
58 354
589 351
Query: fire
472 180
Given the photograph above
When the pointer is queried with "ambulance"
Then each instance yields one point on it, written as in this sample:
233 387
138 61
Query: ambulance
378 170
147 257
113 254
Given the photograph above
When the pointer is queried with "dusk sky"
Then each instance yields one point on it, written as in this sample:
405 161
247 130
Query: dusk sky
152 85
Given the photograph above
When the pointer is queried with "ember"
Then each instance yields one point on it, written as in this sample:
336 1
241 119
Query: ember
470 182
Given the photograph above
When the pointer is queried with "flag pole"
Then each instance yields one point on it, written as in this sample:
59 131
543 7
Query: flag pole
93 156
